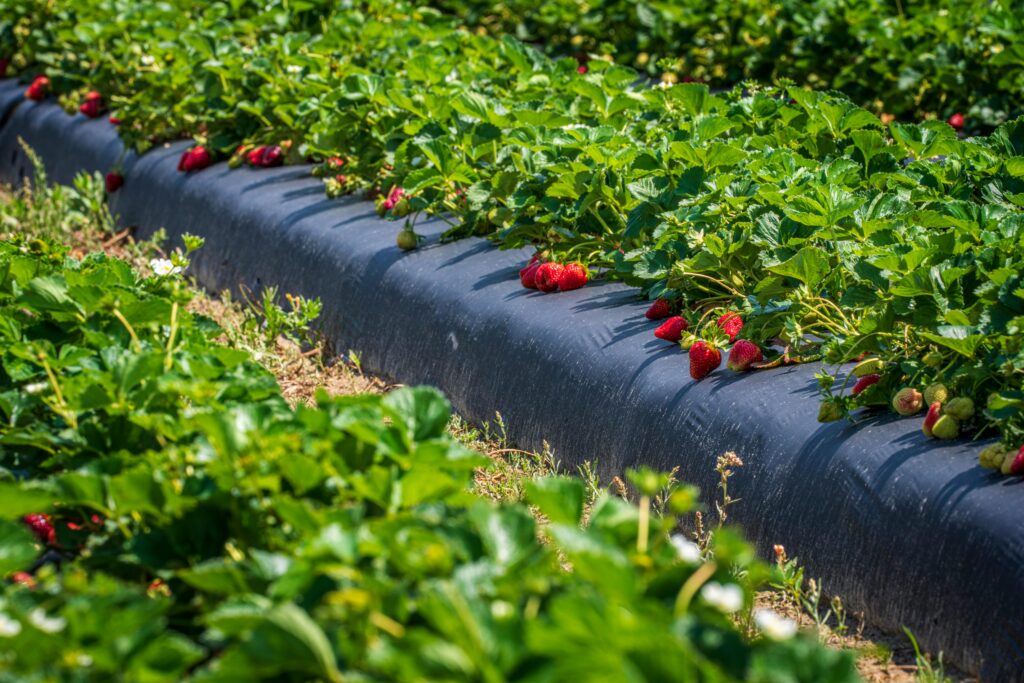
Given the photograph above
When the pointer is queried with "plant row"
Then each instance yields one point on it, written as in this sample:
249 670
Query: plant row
166 515
819 231
907 59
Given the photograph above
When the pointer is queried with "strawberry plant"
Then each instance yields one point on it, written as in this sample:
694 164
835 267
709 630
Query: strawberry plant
827 232
165 516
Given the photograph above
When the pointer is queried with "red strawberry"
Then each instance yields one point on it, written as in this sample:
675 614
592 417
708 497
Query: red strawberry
114 181
92 105
659 310
731 323
1017 466
528 275
114 120
573 276
335 162
195 159
255 156
394 196
546 277
4 63
865 382
956 120
934 413
703 359
744 354
42 527
24 578
37 91
265 156
672 329
581 69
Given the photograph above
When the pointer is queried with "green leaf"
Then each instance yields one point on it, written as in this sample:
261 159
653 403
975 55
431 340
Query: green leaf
560 499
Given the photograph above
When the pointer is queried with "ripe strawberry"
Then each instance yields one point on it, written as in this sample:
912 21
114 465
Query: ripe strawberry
1017 464
114 120
956 120
934 413
265 156
394 196
92 105
659 310
114 181
528 275
24 578
865 382
4 63
581 69
573 276
672 329
37 91
195 159
703 359
731 323
907 401
42 527
546 277
743 354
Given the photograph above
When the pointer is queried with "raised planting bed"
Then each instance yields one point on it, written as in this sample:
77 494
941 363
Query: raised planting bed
913 533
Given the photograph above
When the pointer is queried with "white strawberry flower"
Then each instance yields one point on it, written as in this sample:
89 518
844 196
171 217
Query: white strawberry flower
44 623
728 598
35 387
774 626
686 550
147 60
293 69
9 627
163 266
452 76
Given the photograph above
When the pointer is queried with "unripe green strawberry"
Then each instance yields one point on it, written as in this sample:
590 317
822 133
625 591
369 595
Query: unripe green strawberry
907 401
407 239
830 411
946 427
936 393
992 456
868 366
1008 459
962 408
933 359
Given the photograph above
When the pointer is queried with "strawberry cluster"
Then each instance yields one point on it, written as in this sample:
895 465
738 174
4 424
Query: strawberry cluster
265 156
548 276
705 350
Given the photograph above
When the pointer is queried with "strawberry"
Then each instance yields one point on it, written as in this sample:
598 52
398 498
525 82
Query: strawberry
934 413
4 63
114 181
672 329
265 156
42 527
24 578
865 382
962 408
527 276
659 310
37 91
830 411
957 121
936 393
1017 464
992 456
703 359
394 196
407 239
573 276
92 105
546 277
907 401
868 366
195 159
581 69
946 427
731 323
114 121
743 354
